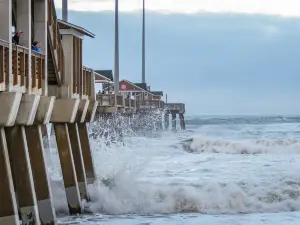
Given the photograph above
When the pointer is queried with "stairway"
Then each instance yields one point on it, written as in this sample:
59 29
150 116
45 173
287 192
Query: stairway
55 49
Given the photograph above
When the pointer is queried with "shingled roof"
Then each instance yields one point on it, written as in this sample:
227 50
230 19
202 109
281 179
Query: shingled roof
106 73
157 93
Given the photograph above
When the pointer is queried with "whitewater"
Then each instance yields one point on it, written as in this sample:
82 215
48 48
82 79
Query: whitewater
221 170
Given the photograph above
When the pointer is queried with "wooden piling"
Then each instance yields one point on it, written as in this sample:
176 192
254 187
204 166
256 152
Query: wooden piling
68 167
8 206
39 170
78 160
22 174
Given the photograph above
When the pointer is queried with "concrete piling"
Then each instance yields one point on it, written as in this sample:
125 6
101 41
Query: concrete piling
22 174
78 160
68 168
8 206
166 120
39 170
86 153
173 120
182 122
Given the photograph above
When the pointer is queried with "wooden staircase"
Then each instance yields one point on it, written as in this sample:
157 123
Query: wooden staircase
55 49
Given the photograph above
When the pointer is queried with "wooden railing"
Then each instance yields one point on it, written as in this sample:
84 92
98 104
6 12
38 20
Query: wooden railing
37 70
56 40
175 107
86 82
148 104
105 100
4 64
21 81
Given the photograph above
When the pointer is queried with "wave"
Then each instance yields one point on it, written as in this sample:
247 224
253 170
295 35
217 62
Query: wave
213 198
263 146
241 120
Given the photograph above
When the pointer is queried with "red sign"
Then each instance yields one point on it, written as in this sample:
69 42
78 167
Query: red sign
123 87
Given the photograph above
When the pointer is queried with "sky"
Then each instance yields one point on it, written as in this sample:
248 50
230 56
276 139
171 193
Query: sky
222 60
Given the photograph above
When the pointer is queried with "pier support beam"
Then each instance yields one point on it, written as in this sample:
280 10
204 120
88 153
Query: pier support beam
173 120
22 174
78 160
182 122
86 153
68 167
166 119
39 170
8 205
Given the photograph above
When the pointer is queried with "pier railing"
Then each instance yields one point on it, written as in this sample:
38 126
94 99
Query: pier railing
127 103
175 107
37 71
133 103
105 100
120 100
54 36
86 77
4 64
21 81
149 104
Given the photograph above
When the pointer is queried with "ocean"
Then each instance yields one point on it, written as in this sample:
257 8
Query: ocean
220 170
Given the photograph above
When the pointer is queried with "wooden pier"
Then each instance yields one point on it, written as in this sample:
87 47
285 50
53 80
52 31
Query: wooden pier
52 86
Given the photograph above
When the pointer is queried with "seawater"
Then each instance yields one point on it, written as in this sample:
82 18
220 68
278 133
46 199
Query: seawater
221 170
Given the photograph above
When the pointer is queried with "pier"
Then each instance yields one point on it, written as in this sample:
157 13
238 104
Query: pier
54 87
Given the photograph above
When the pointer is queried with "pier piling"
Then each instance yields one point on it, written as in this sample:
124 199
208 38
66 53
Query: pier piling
68 168
78 160
8 206
22 174
166 120
182 122
173 120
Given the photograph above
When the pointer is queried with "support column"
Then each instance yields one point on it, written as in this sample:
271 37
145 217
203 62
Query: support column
86 153
78 160
24 23
6 35
41 180
40 34
166 119
22 174
68 167
173 120
182 122
8 205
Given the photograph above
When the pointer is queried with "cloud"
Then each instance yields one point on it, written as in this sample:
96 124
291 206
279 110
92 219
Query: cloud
289 8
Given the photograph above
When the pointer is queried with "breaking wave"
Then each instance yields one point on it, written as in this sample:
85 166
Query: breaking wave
204 145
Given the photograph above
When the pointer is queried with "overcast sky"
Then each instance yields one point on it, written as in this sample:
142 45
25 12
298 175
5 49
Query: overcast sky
272 7
217 63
